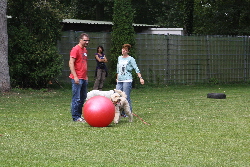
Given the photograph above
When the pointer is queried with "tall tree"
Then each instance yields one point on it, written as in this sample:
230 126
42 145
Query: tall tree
123 31
176 14
222 17
92 9
149 11
4 67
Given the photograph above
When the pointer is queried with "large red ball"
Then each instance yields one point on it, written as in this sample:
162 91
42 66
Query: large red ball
99 111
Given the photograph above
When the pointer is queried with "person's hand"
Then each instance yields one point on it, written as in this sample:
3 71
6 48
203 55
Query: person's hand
142 81
76 80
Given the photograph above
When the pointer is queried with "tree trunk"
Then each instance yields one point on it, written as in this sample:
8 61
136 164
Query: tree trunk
4 67
188 16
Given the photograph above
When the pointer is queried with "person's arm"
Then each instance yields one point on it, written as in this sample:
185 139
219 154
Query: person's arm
137 70
141 79
72 69
101 60
117 70
105 59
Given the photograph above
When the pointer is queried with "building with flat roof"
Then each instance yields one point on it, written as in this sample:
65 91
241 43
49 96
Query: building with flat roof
165 31
98 26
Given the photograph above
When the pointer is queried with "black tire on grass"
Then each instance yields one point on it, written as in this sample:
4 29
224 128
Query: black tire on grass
216 95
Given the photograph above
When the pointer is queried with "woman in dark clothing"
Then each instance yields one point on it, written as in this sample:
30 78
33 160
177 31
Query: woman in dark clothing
101 69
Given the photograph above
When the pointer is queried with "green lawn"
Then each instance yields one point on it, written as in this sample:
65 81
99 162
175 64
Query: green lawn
188 129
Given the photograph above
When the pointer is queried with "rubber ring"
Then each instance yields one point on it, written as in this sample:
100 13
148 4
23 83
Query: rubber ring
216 95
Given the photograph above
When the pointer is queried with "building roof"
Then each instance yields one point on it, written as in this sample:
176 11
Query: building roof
76 21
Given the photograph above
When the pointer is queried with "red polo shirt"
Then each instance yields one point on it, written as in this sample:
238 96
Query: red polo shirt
80 56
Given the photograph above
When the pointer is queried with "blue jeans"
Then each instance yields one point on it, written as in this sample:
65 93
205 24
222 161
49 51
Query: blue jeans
79 94
125 87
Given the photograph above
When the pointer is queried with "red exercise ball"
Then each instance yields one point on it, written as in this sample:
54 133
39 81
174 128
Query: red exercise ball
99 111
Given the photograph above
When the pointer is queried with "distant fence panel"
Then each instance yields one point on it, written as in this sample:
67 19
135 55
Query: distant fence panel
174 59
151 51
192 59
70 39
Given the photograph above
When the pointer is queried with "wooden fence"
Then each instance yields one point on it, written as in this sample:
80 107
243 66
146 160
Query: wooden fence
174 59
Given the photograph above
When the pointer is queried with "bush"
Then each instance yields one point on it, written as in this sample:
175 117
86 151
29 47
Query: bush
31 64
33 32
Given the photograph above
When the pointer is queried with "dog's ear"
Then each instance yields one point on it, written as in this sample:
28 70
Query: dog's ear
123 94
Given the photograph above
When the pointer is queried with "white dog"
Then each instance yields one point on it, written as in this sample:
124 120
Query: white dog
107 94
118 98
121 103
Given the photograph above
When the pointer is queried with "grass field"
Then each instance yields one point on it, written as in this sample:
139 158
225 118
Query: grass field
187 129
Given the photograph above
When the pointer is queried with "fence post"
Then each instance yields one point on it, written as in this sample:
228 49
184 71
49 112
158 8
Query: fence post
208 57
167 60
245 58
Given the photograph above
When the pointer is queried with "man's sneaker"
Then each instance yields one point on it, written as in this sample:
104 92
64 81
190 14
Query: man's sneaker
80 120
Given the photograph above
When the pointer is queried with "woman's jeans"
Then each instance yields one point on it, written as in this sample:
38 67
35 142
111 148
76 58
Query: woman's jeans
125 87
79 94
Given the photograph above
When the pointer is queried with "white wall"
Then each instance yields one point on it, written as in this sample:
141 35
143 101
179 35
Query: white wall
166 31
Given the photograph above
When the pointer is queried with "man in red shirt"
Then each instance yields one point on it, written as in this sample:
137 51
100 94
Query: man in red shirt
79 77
